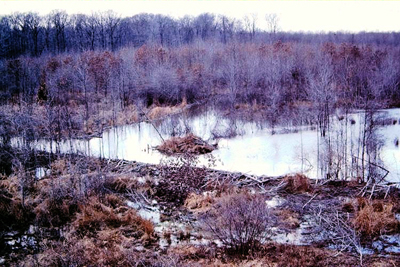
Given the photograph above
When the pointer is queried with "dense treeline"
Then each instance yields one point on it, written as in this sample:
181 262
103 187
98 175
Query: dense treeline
34 35
136 61
270 75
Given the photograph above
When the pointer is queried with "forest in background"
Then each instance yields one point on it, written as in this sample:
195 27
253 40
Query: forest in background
207 51
145 58
34 35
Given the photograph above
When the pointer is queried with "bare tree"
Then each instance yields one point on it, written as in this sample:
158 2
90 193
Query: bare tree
186 30
272 23
91 30
205 26
111 21
250 22
59 20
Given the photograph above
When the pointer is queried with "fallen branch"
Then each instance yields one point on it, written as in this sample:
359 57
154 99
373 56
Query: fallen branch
309 200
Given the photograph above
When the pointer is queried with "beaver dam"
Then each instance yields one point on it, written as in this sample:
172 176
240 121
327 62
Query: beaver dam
121 212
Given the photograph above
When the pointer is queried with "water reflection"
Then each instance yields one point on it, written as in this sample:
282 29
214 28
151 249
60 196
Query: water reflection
250 147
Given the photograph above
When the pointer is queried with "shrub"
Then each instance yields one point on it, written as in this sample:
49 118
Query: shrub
241 222
56 202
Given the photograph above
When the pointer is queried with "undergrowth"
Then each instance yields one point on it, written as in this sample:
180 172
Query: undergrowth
374 218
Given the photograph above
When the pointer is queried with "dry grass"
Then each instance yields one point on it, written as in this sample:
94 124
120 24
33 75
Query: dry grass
269 255
121 183
288 218
383 263
113 201
93 253
348 207
57 200
53 212
110 248
15 210
375 218
189 144
158 112
288 255
199 203
10 185
59 167
297 183
129 115
101 230
110 117
101 235
96 216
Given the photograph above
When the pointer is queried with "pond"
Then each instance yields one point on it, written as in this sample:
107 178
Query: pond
257 148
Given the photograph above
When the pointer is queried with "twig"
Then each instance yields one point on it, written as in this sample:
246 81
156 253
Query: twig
309 200
387 191
376 165
364 189
372 191
254 179
151 122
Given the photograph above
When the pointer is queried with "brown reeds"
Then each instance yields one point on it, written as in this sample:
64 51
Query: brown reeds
374 218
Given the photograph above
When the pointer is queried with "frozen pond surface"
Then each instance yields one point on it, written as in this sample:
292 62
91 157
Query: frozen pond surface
256 149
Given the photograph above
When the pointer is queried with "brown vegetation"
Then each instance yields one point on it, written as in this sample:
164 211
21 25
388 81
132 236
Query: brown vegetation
102 233
180 178
297 183
109 248
288 218
121 184
158 112
199 203
14 209
96 216
190 144
374 218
